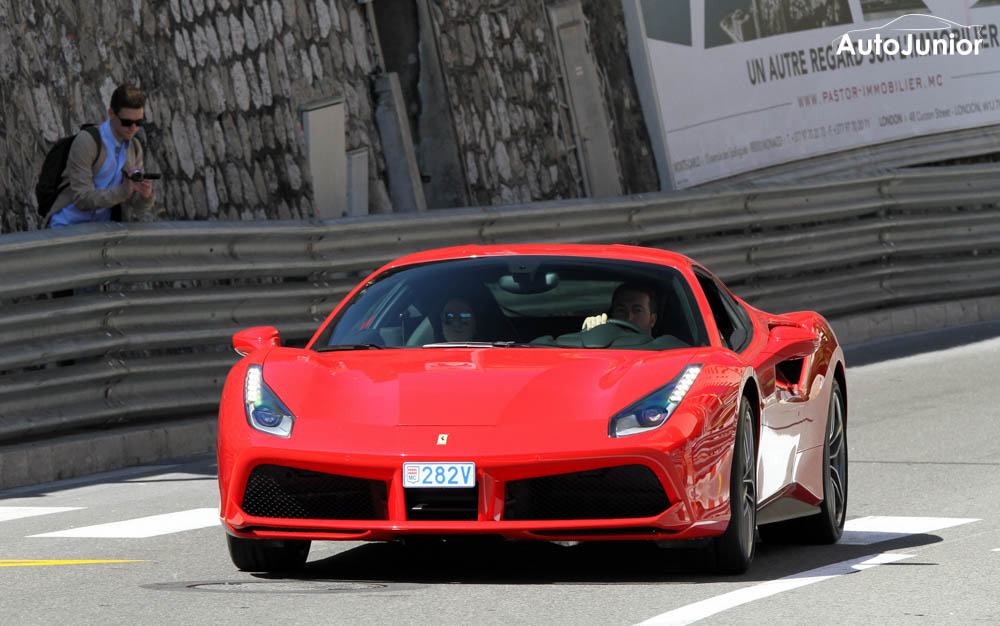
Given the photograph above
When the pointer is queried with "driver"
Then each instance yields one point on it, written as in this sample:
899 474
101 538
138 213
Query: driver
630 303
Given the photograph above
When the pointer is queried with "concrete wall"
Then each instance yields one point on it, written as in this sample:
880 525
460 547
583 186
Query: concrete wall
226 79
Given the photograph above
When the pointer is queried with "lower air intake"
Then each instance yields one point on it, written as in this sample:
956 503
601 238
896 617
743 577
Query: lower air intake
288 492
440 504
610 493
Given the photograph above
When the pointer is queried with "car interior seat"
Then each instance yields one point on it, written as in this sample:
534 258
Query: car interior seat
675 316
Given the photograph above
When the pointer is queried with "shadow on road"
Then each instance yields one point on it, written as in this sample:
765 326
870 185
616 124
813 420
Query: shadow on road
917 343
499 562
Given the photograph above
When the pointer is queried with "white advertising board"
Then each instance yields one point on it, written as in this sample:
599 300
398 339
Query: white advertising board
738 85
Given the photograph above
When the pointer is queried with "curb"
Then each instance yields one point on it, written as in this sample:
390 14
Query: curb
855 329
93 452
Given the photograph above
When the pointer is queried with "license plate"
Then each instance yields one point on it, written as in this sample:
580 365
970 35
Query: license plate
439 474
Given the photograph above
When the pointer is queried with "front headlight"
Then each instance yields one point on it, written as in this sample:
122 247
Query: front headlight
652 411
265 412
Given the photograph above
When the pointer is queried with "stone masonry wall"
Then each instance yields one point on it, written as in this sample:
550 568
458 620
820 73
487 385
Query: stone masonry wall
225 81
500 66
609 42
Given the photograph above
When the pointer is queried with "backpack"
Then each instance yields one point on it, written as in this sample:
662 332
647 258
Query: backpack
49 186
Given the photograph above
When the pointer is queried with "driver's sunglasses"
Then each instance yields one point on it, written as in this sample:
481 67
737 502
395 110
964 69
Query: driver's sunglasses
454 318
127 123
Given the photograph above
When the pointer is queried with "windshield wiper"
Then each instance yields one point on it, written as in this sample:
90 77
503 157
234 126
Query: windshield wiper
350 346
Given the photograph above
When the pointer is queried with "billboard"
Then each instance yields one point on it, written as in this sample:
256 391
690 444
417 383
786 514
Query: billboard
731 86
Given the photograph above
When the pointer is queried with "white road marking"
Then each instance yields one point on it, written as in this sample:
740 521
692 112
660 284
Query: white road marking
706 608
995 550
8 513
145 526
861 531
868 530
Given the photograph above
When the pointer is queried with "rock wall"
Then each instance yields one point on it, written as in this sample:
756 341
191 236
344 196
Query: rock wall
225 81
500 66
609 42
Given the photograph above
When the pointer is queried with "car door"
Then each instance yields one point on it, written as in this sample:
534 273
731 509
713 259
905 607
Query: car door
782 426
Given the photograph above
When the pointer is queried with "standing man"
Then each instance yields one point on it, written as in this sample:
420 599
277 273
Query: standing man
95 175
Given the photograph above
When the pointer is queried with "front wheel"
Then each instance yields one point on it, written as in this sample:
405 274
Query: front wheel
733 550
267 555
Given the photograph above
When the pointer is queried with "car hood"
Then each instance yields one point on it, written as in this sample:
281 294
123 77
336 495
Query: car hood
465 386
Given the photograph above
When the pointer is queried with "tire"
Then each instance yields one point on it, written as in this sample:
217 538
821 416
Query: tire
267 555
827 526
733 551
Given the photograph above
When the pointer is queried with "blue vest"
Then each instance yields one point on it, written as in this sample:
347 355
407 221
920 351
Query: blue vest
110 175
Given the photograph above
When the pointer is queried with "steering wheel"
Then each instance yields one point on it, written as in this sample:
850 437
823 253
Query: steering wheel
624 324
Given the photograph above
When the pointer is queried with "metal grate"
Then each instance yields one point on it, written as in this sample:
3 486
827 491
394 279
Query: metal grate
288 492
610 493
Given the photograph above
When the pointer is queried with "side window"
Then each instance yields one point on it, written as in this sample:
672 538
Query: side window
732 321
679 316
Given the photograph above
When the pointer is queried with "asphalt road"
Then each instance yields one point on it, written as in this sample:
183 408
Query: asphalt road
923 545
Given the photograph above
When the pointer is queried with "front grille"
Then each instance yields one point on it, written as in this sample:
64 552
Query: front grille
450 504
288 492
608 493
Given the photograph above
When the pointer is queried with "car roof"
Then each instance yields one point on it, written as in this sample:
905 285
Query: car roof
616 251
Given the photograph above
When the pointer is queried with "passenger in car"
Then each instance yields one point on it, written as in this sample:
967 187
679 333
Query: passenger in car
458 320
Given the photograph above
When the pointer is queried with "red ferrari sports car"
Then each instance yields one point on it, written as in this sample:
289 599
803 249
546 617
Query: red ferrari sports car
560 393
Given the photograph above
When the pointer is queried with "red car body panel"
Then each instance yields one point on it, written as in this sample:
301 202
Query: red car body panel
522 413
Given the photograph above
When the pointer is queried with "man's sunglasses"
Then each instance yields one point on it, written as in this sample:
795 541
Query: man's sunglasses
452 318
127 123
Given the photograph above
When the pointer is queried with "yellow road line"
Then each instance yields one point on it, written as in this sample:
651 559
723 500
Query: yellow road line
37 562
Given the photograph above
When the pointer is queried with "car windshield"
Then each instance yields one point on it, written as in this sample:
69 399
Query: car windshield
515 301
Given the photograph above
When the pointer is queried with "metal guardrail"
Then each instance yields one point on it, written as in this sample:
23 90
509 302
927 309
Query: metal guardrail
119 323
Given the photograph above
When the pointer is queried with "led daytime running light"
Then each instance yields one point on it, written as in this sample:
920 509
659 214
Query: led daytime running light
684 384
253 386
655 409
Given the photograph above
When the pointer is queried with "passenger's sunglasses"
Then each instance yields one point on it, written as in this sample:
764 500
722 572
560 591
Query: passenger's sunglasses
454 318
127 123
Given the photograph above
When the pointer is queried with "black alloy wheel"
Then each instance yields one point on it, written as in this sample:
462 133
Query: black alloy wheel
733 551
828 525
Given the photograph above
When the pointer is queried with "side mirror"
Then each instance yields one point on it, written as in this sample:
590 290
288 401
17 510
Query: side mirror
246 341
790 342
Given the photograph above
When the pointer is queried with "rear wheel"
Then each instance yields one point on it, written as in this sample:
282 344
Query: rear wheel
267 555
827 526
733 550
